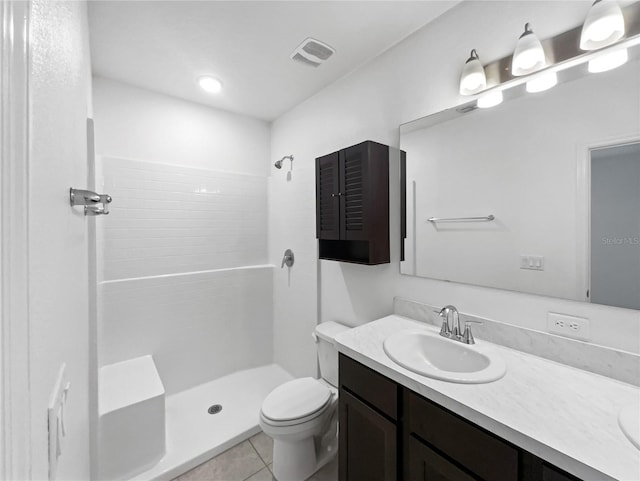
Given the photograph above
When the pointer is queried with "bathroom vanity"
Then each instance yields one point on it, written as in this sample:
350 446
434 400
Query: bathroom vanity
541 421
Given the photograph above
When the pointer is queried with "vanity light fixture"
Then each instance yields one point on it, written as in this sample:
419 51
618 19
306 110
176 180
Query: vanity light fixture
210 84
608 61
542 83
603 26
528 56
473 78
490 99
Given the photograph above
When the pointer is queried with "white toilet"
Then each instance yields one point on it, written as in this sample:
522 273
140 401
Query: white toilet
302 415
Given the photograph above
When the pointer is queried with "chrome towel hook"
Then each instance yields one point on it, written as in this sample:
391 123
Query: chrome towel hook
90 200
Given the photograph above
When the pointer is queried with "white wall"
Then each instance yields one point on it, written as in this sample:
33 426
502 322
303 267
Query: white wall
139 124
416 78
183 251
527 179
60 89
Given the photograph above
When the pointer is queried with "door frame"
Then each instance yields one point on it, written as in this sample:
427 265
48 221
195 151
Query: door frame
15 417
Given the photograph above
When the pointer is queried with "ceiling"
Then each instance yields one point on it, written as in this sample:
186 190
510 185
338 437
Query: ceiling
166 45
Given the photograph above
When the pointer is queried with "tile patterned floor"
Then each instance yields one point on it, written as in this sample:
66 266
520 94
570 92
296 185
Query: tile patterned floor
250 460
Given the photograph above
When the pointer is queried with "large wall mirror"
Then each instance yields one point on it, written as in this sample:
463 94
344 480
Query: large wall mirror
540 194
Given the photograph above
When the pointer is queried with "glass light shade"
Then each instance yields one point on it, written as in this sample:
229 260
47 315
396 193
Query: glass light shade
604 25
542 83
490 99
528 56
473 78
608 61
210 84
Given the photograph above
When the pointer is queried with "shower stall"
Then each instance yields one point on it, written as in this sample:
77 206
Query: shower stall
184 286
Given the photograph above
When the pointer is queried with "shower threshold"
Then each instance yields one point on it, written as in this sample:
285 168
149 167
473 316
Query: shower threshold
194 435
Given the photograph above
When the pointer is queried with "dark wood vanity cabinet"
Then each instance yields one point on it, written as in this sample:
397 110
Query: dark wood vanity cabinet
389 433
450 448
368 431
352 204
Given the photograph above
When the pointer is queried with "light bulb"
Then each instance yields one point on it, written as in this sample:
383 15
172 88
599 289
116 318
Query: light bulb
542 83
603 26
473 78
490 99
608 61
528 56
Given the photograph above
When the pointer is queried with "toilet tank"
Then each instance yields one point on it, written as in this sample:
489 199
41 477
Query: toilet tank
324 335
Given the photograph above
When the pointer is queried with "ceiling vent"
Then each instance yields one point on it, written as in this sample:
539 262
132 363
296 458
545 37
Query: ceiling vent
312 52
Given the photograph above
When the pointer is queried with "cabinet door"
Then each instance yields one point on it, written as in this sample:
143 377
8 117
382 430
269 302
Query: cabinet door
355 192
367 443
424 464
328 197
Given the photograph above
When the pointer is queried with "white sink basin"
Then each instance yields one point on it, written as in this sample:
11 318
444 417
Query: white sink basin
426 352
629 422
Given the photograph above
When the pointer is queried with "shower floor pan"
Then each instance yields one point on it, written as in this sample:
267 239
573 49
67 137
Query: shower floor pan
194 435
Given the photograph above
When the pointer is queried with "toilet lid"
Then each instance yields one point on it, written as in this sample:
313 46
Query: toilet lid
295 399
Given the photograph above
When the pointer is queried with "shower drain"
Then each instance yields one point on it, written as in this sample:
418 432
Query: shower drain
215 409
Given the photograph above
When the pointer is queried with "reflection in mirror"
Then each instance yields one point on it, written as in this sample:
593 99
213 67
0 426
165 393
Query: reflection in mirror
615 225
532 162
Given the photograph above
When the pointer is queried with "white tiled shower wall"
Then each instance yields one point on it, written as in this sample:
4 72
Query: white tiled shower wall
169 219
184 272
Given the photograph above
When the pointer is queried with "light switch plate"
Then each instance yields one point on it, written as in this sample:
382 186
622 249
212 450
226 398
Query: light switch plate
55 416
534 263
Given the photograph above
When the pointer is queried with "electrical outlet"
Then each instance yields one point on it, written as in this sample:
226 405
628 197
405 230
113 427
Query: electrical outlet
569 326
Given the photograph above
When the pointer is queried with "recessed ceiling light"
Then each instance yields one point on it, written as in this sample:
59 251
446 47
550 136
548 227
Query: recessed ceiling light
210 84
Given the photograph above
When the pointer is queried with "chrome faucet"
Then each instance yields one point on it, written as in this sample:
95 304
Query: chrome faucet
448 330
453 331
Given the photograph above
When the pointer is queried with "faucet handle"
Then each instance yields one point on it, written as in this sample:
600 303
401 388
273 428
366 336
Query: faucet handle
467 336
445 331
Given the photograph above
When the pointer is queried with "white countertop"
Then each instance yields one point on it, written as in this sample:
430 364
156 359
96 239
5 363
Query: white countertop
564 415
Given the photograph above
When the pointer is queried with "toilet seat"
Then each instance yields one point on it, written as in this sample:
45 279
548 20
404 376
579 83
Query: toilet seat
296 402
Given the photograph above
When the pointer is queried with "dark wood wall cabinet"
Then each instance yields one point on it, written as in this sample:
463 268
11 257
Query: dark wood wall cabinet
390 433
352 204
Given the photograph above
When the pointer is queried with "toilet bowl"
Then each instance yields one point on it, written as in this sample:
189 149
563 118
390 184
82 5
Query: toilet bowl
302 415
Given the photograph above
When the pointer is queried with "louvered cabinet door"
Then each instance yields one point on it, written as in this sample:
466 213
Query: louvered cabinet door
354 167
328 197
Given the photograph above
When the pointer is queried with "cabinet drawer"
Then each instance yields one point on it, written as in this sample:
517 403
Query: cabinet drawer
374 388
478 451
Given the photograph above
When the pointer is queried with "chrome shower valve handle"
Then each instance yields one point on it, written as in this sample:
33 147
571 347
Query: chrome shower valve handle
288 259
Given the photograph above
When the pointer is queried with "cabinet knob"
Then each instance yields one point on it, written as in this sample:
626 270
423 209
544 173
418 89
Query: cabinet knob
336 195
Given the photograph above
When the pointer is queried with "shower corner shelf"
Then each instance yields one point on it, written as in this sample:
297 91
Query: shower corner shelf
352 204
